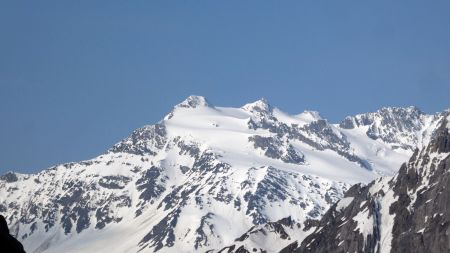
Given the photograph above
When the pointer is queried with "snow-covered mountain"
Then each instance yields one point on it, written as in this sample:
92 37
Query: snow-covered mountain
210 178
409 212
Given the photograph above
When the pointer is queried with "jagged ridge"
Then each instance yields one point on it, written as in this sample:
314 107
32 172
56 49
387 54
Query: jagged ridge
196 181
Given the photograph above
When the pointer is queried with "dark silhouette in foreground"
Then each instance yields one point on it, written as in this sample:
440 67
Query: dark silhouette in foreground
8 244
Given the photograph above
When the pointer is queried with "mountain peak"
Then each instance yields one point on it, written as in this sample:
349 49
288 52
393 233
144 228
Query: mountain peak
261 105
387 114
194 101
309 116
399 110
388 214
191 102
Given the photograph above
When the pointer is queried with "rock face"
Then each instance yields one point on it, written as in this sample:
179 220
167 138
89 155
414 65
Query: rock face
400 127
203 179
8 243
409 212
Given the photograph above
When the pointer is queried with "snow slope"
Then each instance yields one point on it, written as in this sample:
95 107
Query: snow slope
205 176
408 212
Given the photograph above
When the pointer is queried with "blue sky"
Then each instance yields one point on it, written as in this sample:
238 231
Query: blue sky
77 76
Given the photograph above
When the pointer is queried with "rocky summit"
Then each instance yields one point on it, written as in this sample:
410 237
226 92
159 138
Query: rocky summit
248 179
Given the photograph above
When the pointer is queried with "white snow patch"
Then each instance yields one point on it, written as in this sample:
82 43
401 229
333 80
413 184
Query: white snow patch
343 203
364 222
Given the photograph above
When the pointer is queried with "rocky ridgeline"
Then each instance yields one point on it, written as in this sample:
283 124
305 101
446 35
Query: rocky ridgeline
173 189
406 213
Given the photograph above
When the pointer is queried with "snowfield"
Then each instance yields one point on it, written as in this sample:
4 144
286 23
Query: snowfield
207 177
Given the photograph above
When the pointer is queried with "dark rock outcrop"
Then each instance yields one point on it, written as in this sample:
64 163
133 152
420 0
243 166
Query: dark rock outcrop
8 243
9 177
407 213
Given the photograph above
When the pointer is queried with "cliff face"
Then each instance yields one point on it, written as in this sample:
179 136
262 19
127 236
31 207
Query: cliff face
409 212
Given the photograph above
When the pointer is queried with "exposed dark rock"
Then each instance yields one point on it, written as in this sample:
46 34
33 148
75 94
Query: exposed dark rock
162 234
8 243
151 185
276 149
202 237
420 211
270 189
114 182
293 156
102 217
277 227
9 177
290 248
259 232
269 144
389 124
188 149
143 141
74 198
184 169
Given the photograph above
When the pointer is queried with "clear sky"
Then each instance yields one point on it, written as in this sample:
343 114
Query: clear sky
78 76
